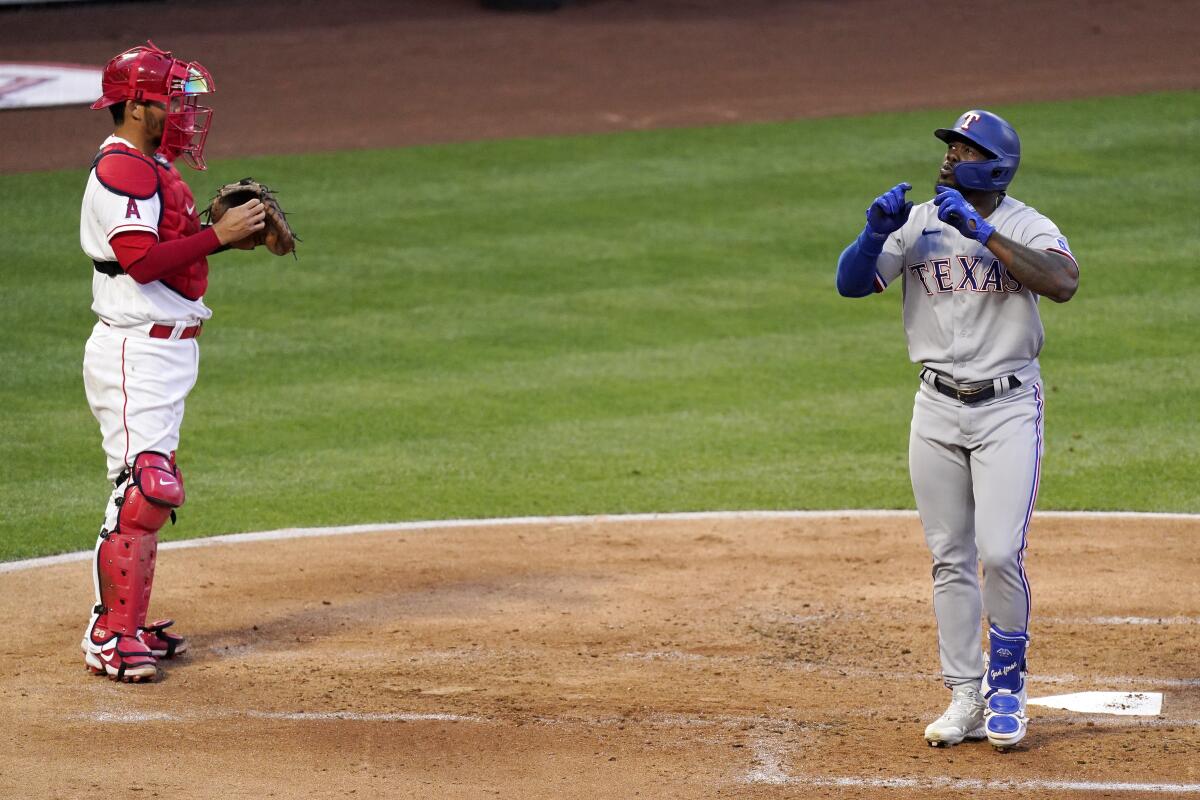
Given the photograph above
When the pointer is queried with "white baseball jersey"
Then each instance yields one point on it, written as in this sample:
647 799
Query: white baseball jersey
964 315
121 301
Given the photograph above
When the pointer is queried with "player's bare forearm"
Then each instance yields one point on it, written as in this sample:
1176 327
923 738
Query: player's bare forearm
1042 271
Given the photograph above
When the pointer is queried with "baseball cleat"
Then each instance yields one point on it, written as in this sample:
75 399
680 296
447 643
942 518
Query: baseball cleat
161 643
1006 721
121 659
962 720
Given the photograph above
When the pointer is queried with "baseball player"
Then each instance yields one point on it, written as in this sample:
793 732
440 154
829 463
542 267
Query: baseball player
973 263
139 226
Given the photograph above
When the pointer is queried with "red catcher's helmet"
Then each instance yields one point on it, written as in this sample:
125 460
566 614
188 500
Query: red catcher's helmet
146 74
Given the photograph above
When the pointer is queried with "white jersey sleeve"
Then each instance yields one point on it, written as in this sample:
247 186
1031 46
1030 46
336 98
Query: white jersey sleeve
890 264
105 213
1032 229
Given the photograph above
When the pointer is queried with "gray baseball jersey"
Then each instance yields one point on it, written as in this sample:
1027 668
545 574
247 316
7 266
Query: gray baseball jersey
965 316
975 467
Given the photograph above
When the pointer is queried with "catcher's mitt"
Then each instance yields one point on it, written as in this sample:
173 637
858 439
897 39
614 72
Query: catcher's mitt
277 235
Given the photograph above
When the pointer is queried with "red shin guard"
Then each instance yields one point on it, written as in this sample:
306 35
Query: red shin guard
125 556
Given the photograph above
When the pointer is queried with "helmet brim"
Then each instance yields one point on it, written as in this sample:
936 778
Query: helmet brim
949 135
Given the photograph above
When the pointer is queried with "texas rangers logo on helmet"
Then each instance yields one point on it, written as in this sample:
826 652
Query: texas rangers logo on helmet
968 118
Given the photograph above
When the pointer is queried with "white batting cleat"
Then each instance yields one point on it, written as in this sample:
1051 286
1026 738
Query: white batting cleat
962 720
1006 722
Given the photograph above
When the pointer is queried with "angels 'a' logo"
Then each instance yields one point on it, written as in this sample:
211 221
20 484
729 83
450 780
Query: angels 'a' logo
968 118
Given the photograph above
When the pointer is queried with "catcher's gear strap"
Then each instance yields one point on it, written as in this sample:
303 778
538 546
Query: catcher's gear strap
126 173
158 630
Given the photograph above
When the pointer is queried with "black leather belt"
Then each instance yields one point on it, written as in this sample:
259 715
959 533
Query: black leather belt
971 394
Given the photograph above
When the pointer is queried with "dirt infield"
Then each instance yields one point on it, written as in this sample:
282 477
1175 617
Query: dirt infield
385 73
676 658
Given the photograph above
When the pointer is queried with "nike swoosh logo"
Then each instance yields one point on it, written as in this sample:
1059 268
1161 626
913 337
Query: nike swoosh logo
107 656
930 233
191 210
165 481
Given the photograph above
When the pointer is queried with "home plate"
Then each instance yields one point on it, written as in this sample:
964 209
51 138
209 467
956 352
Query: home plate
1141 704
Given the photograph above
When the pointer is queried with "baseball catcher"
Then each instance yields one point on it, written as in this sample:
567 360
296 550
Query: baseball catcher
276 234
149 272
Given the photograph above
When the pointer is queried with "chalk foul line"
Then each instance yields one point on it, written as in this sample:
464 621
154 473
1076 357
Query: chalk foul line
768 770
494 522
137 717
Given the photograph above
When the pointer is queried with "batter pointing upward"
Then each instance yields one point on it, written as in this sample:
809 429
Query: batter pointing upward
973 263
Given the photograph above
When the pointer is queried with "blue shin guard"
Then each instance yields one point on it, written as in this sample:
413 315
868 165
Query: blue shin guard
1004 687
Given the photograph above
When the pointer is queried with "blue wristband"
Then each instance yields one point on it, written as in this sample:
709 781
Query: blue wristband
856 266
870 244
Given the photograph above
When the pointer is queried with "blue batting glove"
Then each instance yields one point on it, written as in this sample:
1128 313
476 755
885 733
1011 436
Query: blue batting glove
954 210
889 211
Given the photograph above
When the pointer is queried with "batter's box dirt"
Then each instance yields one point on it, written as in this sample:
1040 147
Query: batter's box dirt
741 657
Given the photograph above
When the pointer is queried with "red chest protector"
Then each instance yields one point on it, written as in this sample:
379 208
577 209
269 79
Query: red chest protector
143 177
179 219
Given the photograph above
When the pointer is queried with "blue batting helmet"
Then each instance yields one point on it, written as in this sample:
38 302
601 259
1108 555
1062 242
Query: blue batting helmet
996 138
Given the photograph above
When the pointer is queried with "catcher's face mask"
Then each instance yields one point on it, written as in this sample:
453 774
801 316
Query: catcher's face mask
186 128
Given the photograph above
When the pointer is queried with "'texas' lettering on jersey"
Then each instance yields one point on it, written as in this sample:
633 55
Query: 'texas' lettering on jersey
963 274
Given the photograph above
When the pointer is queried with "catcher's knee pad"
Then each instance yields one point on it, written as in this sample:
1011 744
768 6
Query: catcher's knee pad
158 478
153 491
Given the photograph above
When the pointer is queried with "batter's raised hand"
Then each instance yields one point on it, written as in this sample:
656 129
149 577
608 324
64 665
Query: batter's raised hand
953 209
889 211
241 222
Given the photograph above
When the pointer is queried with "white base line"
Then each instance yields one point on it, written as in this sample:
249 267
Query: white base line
1031 786
138 717
768 770
495 522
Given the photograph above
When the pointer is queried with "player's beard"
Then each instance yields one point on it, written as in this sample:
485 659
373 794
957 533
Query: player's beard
155 125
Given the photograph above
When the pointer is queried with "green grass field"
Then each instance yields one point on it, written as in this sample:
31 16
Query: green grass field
618 323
